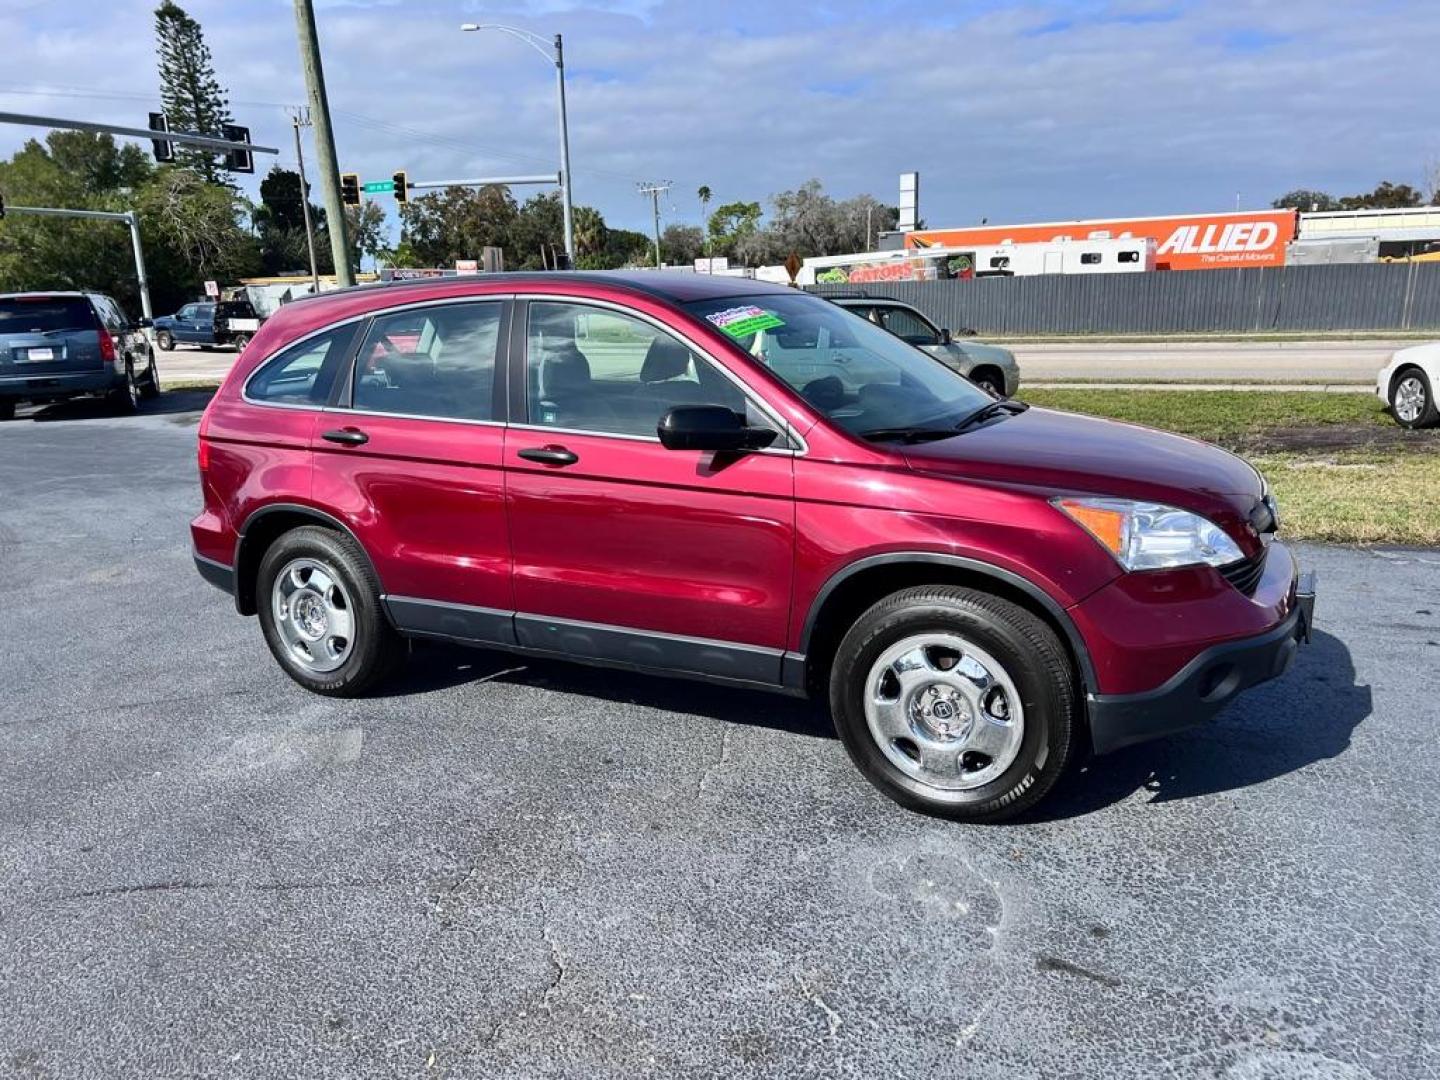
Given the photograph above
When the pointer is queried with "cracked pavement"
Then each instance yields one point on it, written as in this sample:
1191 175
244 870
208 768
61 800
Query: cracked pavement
510 868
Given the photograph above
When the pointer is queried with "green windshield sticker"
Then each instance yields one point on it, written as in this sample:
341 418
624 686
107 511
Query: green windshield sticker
741 322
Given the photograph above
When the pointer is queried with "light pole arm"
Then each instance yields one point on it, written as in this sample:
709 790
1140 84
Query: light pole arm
535 41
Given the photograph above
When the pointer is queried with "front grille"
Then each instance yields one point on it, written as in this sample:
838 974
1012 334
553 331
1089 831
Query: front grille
1245 575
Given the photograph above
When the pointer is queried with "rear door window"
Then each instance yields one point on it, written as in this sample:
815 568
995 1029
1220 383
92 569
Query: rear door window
908 326
304 373
436 362
45 315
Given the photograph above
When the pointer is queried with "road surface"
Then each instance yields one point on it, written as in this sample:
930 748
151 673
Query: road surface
503 867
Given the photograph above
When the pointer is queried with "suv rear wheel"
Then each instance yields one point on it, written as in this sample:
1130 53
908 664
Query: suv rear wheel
955 702
125 398
7 408
319 607
164 340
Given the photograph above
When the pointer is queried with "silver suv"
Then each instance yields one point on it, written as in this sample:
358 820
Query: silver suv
989 366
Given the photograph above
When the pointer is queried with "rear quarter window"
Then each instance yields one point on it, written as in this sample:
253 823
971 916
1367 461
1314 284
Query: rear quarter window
303 374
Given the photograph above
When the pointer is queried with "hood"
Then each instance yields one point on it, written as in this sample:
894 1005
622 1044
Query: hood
1064 453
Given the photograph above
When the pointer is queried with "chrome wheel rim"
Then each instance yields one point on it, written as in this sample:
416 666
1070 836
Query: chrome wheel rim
313 615
132 388
944 712
1409 398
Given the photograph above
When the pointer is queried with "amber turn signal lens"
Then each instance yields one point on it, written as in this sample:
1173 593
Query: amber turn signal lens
1107 526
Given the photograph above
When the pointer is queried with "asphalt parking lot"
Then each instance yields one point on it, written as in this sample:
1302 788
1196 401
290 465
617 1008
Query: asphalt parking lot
501 867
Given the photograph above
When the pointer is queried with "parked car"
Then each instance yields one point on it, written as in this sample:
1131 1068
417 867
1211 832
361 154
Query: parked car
59 345
715 478
1407 384
223 322
989 366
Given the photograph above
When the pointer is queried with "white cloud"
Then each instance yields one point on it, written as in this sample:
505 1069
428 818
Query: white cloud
1140 107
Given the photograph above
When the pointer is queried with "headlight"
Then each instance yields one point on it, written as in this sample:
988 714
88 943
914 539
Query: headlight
1151 536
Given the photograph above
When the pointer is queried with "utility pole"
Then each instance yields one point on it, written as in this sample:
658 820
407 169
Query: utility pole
301 118
324 141
655 191
568 203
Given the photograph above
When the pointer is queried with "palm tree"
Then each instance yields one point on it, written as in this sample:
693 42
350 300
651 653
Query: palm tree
705 196
590 231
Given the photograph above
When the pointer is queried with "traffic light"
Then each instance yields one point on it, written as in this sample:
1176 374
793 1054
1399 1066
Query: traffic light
350 188
238 160
402 186
164 148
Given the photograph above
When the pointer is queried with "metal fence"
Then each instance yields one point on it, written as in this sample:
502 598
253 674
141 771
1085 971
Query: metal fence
1362 296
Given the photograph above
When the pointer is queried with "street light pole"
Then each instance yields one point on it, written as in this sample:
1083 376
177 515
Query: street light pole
553 51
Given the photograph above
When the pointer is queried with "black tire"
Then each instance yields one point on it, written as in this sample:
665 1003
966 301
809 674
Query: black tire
990 380
377 650
7 409
240 341
1032 658
124 400
1428 415
164 340
150 388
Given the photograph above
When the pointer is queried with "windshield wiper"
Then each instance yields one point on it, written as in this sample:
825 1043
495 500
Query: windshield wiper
991 409
912 434
64 330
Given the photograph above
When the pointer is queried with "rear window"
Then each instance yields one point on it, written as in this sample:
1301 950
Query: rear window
22 315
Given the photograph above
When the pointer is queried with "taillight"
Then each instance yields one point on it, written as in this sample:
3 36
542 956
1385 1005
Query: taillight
202 455
107 346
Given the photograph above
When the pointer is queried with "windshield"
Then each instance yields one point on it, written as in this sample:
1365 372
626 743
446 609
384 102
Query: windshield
45 315
863 378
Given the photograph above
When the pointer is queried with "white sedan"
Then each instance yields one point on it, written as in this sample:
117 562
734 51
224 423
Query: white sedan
1408 384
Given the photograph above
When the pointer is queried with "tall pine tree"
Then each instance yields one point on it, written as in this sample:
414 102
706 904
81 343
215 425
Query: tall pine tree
190 94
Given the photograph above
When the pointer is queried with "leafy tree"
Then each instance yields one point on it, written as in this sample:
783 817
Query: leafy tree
455 223
1387 196
681 244
280 226
198 224
730 223
99 165
1306 200
190 94
538 234
366 225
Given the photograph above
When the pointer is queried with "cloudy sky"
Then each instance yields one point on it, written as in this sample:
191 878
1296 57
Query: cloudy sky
1011 111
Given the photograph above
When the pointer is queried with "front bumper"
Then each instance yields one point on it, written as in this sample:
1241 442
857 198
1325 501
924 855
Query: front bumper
59 384
1206 684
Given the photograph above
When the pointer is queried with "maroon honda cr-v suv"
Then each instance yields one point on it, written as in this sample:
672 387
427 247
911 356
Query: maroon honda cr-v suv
719 479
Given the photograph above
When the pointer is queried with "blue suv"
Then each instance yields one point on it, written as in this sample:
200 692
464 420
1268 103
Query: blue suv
60 345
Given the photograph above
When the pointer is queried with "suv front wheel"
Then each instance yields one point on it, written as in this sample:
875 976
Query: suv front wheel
319 607
955 702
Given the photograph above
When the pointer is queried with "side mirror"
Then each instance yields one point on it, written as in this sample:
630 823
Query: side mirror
945 336
710 427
